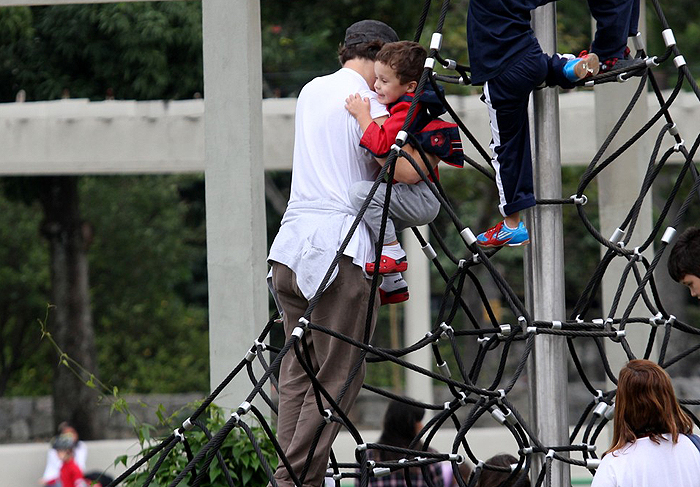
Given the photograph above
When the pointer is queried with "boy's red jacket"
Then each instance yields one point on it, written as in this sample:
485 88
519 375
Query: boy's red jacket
433 134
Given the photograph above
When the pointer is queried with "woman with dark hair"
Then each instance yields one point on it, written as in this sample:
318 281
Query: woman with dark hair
650 445
402 422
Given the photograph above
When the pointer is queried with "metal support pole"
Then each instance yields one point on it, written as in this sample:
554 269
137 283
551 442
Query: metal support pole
234 187
544 266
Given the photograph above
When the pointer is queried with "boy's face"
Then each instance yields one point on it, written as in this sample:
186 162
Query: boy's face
387 85
693 283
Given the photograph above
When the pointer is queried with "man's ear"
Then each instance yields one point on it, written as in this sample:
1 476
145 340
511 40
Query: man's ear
412 85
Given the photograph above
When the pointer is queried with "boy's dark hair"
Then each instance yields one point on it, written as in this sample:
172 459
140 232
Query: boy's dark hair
684 258
367 50
406 58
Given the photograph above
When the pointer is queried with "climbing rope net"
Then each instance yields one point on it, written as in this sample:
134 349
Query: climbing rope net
469 397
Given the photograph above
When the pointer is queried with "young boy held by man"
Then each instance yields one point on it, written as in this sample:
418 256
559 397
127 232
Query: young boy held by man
398 67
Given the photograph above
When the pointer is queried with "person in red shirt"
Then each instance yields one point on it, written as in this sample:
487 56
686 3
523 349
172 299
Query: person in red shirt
71 475
398 68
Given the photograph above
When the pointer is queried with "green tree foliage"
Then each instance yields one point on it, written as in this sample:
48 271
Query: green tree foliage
237 451
140 51
145 248
24 287
150 337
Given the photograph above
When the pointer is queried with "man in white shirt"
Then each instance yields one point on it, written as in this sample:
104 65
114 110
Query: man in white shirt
327 161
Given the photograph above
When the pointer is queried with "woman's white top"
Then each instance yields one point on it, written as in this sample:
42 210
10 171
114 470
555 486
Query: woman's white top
647 464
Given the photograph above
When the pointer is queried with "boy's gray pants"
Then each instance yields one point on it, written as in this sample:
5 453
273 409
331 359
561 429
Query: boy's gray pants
411 205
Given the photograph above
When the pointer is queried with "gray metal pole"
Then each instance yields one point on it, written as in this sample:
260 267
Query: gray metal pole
544 266
234 187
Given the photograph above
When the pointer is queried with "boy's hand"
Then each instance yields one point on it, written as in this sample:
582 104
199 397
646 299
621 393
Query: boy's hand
360 109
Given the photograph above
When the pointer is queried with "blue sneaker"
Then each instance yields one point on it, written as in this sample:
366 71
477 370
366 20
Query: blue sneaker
501 235
584 66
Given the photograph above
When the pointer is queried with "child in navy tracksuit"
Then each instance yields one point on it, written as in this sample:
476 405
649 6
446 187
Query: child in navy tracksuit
398 67
506 58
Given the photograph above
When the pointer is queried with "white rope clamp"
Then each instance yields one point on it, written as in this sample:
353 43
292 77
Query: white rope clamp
652 61
522 322
401 137
620 334
461 263
236 418
261 345
638 42
673 130
669 234
550 454
498 415
462 398
457 458
468 236
298 332
445 369
600 409
678 145
327 416
679 61
338 477
592 463
396 148
436 41
527 450
669 38
381 471
245 407
429 251
451 64
429 63
617 236
361 447
502 396
476 258
250 355
556 325
187 424
610 412
599 397
445 329
531 329
657 319
505 331
670 321
178 435
621 77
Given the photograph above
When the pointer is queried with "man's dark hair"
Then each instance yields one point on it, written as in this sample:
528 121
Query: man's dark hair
366 50
406 58
684 258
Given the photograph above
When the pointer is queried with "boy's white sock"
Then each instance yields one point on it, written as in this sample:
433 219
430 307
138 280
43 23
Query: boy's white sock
393 251
393 281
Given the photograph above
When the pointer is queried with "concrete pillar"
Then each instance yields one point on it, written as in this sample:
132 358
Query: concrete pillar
618 186
417 319
235 198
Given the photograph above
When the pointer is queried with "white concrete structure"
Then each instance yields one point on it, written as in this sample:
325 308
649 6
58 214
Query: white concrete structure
115 137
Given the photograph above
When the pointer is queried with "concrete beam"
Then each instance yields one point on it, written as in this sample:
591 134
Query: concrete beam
110 137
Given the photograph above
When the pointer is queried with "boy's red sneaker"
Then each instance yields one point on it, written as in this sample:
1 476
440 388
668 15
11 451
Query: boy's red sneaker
392 297
388 265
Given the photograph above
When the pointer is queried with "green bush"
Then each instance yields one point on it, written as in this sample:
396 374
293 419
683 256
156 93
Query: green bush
237 451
